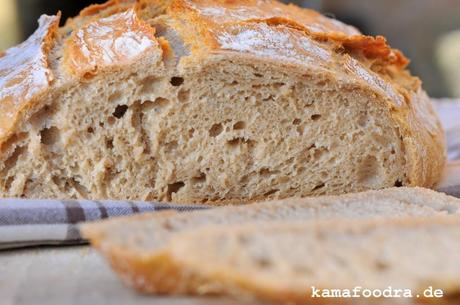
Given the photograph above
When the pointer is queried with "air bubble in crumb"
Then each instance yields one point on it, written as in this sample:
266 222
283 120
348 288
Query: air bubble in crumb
316 117
120 111
177 81
50 136
216 130
174 188
239 125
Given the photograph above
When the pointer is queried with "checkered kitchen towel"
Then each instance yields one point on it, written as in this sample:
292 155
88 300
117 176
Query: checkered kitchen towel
54 222
25 222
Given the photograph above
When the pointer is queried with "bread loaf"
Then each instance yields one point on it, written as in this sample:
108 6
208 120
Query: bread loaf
210 101
136 246
295 262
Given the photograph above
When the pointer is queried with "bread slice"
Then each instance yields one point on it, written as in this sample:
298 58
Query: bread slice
210 101
136 246
294 262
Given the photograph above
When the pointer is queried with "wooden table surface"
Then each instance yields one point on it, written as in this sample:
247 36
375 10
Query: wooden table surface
73 275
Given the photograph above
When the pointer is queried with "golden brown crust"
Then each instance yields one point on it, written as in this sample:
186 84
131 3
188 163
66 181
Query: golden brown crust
225 11
211 15
375 47
424 140
25 73
108 42
222 26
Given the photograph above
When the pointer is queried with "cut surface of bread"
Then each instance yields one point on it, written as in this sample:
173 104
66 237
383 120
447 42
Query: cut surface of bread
210 101
282 261
136 246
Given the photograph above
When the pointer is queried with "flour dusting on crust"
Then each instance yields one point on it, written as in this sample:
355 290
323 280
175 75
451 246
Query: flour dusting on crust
24 71
109 41
272 42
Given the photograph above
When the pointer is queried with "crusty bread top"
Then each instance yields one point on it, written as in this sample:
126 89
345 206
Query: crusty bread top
25 73
264 29
231 11
218 18
93 47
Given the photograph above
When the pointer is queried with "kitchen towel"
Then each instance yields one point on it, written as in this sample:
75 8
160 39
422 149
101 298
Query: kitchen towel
28 222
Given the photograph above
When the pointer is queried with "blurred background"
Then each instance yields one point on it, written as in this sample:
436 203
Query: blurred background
427 31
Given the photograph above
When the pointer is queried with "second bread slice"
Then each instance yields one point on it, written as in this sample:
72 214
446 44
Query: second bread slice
136 246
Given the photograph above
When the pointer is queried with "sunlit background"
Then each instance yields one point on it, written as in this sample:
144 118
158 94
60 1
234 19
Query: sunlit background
428 31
